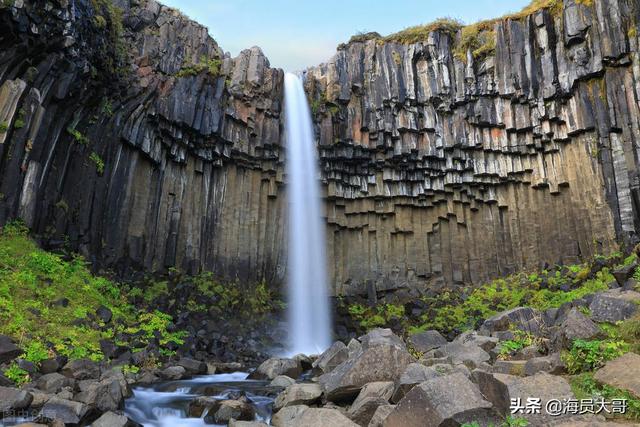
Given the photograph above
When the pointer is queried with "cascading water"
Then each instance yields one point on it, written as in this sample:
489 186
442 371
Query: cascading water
309 319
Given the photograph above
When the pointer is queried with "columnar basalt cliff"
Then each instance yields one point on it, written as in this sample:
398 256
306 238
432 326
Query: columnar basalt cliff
447 169
146 147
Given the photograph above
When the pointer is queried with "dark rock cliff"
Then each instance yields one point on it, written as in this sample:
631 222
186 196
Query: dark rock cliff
447 170
147 147
144 147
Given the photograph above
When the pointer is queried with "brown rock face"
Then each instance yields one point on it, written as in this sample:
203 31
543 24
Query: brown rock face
160 150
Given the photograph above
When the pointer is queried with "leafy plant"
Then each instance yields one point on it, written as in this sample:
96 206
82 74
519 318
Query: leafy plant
98 162
4 127
78 136
36 352
584 386
16 374
588 355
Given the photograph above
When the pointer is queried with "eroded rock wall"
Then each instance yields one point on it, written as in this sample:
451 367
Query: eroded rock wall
168 156
440 170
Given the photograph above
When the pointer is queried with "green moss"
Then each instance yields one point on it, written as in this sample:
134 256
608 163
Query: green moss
4 127
108 19
209 65
584 386
420 33
78 136
478 38
98 162
378 316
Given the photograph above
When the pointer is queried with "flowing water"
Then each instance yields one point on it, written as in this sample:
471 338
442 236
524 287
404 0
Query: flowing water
166 404
309 319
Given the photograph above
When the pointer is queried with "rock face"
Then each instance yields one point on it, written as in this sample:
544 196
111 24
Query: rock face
622 373
152 148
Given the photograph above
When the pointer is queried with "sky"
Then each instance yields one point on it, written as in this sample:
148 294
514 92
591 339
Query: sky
296 34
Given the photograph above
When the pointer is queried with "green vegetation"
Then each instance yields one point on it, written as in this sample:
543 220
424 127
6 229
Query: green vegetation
420 33
17 374
20 120
78 136
97 160
589 355
4 127
450 312
478 38
520 341
47 304
509 421
109 17
584 386
209 65
372 317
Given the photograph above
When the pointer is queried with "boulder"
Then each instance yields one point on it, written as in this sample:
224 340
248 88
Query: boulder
381 359
200 404
12 399
105 395
519 317
551 364
53 383
468 354
67 411
236 423
427 340
271 368
321 417
52 365
614 305
370 398
298 394
380 336
578 326
81 369
332 357
173 373
8 350
510 367
111 419
285 416
354 347
624 272
282 381
104 314
381 414
499 389
415 373
441 401
231 409
622 373
193 367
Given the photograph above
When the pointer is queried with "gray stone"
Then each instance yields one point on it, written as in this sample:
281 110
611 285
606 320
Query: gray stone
578 326
469 355
551 364
65 410
106 395
193 367
282 381
271 368
82 369
379 336
415 373
236 423
518 317
427 340
12 399
321 417
231 409
8 350
298 394
354 347
614 305
111 419
441 401
381 414
285 416
53 383
370 398
173 373
332 357
622 373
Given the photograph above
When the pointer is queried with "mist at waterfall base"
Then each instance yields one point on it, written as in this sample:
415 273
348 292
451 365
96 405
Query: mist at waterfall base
308 302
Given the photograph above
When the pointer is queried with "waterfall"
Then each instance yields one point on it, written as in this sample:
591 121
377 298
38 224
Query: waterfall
309 319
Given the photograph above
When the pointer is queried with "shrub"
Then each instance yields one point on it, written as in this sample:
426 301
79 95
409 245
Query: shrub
4 127
589 355
98 162
78 136
16 374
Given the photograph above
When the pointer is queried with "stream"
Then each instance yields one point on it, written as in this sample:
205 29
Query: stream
166 404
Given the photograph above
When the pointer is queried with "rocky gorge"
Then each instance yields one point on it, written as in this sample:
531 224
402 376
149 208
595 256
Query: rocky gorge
480 196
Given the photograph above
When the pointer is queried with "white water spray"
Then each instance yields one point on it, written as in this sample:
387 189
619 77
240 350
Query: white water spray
309 319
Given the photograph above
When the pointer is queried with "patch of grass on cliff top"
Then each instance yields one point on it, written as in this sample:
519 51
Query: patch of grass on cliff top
33 286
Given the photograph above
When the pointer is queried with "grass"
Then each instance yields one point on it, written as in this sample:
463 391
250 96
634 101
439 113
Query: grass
584 386
47 303
209 65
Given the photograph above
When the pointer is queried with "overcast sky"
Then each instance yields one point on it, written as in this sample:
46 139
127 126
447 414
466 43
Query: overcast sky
295 34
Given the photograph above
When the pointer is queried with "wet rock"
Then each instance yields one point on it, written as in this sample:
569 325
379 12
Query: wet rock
614 305
298 394
426 341
173 373
193 367
82 369
13 399
622 373
67 411
441 401
332 357
415 373
200 404
231 409
282 381
8 350
271 368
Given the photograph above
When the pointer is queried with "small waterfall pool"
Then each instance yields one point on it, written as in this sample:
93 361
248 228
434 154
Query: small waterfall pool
166 404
